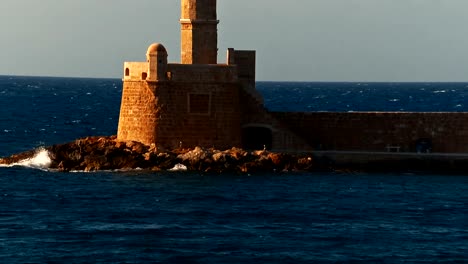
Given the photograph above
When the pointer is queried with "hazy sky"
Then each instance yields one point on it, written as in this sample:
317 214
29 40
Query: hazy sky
296 40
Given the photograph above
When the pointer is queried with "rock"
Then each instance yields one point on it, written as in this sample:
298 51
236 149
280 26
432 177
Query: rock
194 159
276 158
62 167
194 155
249 167
94 163
120 144
107 153
155 169
153 148
219 157
18 157
139 148
165 161
259 152
237 153
304 164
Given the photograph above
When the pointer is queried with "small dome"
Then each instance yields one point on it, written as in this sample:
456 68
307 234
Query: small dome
156 48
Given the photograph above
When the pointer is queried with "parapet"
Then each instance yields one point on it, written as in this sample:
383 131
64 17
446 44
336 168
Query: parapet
154 69
216 73
136 71
202 73
245 60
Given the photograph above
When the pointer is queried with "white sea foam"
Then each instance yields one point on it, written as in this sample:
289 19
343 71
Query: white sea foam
40 160
179 167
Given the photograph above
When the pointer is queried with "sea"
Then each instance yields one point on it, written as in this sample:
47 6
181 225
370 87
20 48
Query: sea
191 217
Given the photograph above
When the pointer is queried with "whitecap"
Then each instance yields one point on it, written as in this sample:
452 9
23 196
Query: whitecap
179 167
440 91
40 160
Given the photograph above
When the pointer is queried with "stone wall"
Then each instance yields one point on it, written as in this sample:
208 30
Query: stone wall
135 70
199 114
260 128
215 73
199 32
171 114
198 9
381 131
245 61
138 112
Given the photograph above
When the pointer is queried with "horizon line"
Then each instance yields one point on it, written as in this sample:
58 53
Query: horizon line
258 81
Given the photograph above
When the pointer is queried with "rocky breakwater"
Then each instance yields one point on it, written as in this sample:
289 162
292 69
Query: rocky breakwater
107 153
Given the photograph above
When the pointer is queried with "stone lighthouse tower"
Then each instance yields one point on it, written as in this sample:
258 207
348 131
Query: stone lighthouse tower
197 102
199 32
192 103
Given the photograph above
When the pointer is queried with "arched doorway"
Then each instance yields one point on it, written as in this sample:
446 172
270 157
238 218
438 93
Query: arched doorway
424 145
257 137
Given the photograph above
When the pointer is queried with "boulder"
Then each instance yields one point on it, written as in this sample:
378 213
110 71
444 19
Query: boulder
107 153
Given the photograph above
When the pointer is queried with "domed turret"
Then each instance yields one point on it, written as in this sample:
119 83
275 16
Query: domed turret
157 59
156 48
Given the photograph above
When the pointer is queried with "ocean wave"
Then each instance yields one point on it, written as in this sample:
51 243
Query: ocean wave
179 167
40 160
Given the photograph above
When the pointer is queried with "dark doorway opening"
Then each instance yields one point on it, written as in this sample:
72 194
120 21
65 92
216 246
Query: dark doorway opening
424 145
257 138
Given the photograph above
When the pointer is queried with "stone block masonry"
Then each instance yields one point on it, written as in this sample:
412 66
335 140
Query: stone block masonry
198 114
170 114
194 103
381 131
200 102
139 112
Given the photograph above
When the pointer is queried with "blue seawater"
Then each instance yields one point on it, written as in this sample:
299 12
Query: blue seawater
183 217
347 97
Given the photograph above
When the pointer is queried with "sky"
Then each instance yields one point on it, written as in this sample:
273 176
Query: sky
295 40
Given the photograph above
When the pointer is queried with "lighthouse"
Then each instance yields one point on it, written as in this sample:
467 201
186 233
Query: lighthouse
199 32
